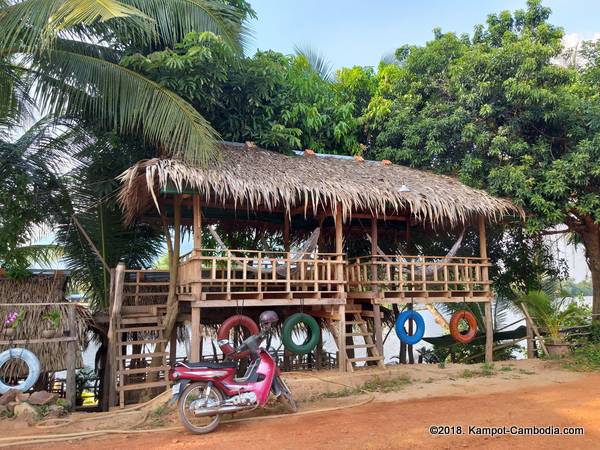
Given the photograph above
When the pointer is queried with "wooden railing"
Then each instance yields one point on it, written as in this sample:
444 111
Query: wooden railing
416 275
145 287
250 271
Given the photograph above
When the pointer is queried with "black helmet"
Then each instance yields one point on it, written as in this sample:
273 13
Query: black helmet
268 318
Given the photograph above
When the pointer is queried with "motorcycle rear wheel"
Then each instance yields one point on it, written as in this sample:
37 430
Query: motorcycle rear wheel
198 425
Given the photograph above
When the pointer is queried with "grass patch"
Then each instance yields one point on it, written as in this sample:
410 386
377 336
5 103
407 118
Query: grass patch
157 417
486 370
389 385
584 359
526 372
374 385
506 368
41 412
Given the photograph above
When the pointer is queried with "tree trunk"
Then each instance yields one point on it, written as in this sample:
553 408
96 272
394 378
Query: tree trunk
591 239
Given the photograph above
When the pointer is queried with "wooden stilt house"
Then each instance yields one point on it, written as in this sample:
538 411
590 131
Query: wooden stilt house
298 198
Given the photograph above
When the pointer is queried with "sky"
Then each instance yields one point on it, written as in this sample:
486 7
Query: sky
354 32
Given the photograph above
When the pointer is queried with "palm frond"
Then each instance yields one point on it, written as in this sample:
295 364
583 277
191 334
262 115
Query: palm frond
173 20
42 254
123 100
316 60
35 24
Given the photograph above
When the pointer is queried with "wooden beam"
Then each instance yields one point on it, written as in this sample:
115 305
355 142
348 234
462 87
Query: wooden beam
489 324
196 332
286 232
375 288
530 341
115 314
489 333
197 224
70 388
339 270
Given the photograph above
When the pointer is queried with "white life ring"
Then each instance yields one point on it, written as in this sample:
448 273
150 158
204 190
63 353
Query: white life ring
33 366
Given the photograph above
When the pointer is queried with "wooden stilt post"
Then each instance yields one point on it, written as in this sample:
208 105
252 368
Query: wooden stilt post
173 348
489 324
286 231
196 332
375 287
530 345
197 211
71 391
113 349
339 270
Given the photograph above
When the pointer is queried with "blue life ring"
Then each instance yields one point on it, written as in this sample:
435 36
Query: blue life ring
33 364
417 334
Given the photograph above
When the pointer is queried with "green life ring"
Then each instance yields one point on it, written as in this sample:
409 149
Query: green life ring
312 328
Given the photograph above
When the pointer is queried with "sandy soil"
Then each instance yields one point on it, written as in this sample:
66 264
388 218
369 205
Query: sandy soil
527 393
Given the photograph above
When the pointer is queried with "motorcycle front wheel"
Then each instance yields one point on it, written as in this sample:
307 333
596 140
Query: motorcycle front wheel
195 392
286 396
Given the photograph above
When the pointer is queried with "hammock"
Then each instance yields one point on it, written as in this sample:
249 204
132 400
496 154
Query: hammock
438 317
429 269
309 246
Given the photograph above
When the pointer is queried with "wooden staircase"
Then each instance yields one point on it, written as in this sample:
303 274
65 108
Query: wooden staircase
135 368
356 327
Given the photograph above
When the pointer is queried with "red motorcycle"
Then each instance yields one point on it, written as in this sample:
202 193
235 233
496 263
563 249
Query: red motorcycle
204 390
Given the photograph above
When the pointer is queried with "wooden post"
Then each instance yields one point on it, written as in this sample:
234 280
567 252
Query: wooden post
339 270
489 324
115 312
375 287
286 231
71 390
530 345
173 348
196 331
197 224
108 362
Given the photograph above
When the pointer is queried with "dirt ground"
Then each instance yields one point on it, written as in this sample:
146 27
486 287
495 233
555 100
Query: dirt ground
520 393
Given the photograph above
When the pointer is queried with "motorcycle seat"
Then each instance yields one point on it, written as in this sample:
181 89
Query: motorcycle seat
209 365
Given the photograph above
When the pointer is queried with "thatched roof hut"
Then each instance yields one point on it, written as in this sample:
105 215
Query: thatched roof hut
248 177
43 289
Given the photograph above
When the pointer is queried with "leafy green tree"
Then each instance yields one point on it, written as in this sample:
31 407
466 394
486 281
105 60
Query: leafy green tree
277 101
496 111
66 52
28 195
90 190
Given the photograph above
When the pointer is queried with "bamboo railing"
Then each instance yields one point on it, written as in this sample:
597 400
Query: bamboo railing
413 275
250 271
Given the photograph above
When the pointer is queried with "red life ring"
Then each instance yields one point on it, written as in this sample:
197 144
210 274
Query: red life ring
234 321
469 317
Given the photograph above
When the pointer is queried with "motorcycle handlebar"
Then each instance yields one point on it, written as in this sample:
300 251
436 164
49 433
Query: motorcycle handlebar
245 346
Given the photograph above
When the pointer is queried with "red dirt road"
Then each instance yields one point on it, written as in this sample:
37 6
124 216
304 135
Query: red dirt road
402 424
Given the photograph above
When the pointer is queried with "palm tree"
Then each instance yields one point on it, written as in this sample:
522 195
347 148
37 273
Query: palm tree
66 53
319 64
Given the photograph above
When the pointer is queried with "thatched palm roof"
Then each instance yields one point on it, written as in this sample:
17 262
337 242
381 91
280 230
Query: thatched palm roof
250 176
41 289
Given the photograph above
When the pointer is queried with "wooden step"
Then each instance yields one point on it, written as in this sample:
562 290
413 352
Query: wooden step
361 346
366 358
142 370
133 387
142 355
149 341
358 334
140 329
355 322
